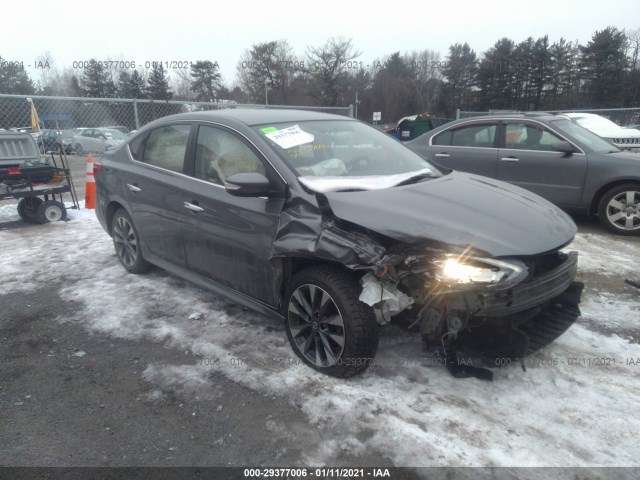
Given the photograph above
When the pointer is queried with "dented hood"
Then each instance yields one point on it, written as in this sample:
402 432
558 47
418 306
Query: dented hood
460 209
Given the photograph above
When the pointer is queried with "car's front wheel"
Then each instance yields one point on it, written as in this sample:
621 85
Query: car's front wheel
619 209
327 326
127 243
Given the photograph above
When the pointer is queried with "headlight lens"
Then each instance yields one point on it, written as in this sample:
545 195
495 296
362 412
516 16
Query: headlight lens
471 271
461 273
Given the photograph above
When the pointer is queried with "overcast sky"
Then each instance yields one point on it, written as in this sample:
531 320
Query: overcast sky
221 31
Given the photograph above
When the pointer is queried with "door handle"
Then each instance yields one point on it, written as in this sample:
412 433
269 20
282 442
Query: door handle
510 159
133 188
442 155
192 207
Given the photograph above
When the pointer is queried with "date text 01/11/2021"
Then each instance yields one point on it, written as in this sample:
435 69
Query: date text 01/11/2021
317 472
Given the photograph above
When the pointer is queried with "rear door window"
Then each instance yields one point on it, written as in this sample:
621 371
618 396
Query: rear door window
166 147
468 136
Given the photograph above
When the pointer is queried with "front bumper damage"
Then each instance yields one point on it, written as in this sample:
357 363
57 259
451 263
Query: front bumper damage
468 328
486 327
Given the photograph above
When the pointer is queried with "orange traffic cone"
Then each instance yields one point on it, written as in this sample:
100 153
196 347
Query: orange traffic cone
90 186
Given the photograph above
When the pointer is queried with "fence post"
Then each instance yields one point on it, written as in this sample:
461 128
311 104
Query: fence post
135 114
457 114
351 110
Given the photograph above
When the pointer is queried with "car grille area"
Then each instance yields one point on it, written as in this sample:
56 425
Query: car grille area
626 142
508 341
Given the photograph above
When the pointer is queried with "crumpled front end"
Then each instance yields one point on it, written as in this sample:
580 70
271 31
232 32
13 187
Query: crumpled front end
471 308
473 311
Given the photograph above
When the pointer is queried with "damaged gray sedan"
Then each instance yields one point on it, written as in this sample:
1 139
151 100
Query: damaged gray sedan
336 229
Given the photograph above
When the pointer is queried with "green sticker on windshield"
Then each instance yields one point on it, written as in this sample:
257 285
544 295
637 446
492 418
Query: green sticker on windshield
268 130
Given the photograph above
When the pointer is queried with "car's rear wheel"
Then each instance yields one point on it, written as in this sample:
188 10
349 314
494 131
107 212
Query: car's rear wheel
79 150
28 209
619 209
52 211
127 243
328 327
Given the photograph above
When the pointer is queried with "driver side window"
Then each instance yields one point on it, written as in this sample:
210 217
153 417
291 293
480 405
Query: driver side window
220 154
521 136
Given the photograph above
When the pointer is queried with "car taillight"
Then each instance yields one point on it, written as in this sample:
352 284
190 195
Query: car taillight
14 171
97 166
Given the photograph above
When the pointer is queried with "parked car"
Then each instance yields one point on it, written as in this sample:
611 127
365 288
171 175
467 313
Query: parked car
120 128
97 140
334 227
623 138
548 155
51 140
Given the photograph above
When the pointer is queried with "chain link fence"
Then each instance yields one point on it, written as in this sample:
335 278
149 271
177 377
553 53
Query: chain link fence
66 113
78 112
625 117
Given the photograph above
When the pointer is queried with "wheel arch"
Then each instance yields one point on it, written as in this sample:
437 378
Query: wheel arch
110 211
595 201
294 264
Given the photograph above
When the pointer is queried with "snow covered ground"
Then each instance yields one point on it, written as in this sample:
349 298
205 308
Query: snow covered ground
578 404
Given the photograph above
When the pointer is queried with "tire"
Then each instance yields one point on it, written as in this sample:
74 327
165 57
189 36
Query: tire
52 211
619 209
28 209
126 242
79 150
345 344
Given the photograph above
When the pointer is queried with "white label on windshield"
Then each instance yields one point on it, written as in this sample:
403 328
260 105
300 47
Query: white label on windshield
290 137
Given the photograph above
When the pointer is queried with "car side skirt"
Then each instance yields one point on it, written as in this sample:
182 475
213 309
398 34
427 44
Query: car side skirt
216 287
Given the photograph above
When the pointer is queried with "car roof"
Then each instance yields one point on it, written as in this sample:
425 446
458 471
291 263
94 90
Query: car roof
524 115
257 116
581 114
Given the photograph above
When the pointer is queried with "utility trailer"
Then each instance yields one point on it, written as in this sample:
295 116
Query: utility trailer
38 186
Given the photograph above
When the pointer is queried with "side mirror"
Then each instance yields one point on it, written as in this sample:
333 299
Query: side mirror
563 146
247 185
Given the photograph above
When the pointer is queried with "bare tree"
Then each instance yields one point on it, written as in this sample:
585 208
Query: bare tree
329 66
266 70
425 77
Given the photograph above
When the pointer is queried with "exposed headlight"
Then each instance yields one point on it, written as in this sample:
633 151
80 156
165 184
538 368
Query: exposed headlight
487 272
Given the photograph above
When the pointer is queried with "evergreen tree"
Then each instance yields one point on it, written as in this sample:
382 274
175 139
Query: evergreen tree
130 85
158 84
495 76
602 68
95 81
205 80
460 69
14 79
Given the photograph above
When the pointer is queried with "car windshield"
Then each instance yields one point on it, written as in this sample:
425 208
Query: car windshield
584 137
114 134
344 150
